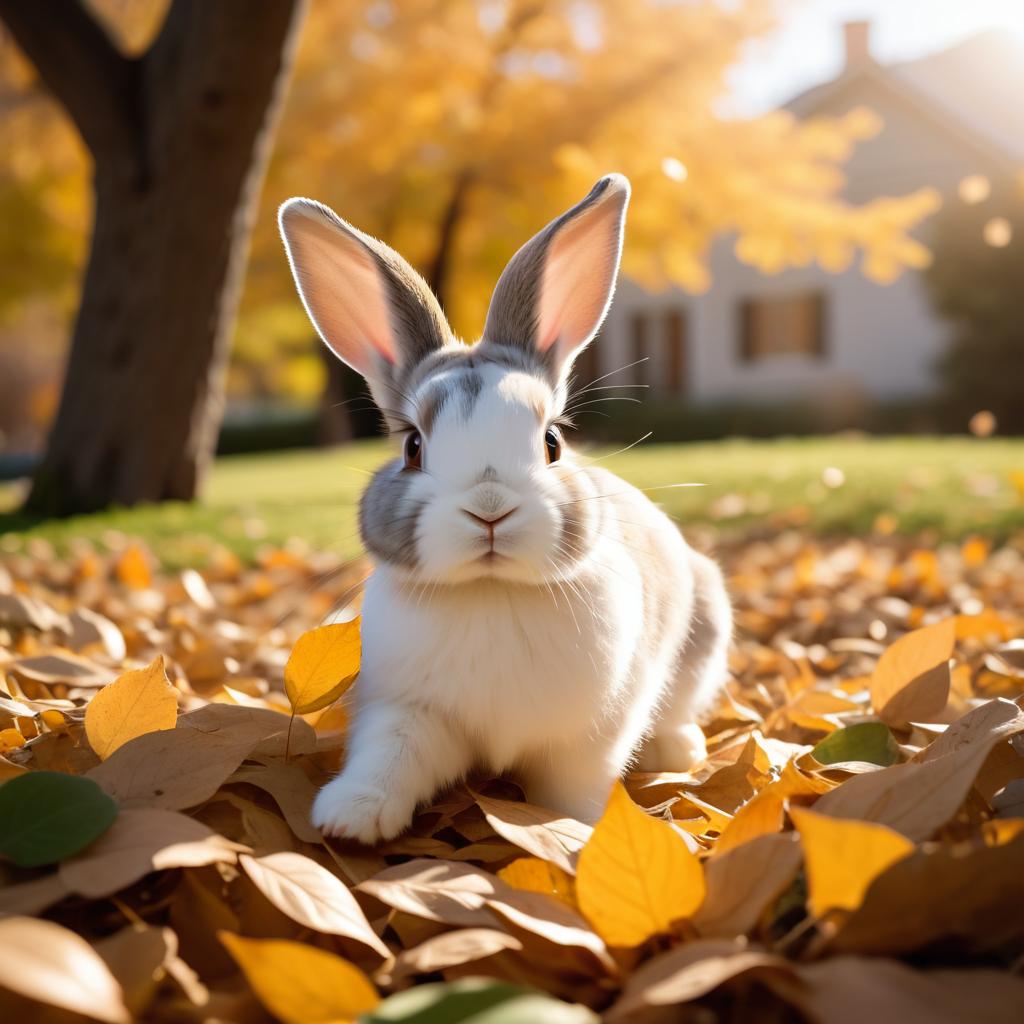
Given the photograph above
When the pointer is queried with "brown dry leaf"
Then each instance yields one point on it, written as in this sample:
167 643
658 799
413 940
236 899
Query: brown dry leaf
742 882
917 798
300 984
310 894
449 949
292 792
181 767
843 857
910 683
456 894
137 702
323 664
140 841
975 897
50 964
545 834
765 812
850 990
89 628
32 897
62 667
691 971
137 956
636 877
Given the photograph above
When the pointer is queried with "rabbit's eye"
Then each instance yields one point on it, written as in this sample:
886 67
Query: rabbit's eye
552 444
413 450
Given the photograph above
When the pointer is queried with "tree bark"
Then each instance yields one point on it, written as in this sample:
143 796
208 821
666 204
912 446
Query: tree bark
179 161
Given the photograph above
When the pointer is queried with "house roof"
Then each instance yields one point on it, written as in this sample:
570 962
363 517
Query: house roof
977 85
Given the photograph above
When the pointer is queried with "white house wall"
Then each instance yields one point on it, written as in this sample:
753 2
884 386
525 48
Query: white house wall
881 342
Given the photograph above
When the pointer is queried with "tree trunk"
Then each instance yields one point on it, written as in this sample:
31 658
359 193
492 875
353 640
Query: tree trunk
143 392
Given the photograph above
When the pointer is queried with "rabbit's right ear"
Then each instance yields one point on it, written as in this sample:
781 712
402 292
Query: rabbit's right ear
369 306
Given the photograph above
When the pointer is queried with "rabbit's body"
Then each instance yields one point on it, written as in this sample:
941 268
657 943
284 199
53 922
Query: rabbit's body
527 613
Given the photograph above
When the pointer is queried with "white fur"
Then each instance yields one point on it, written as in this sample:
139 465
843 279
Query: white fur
512 666
552 644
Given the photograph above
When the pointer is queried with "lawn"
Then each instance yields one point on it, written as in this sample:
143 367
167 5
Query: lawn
951 486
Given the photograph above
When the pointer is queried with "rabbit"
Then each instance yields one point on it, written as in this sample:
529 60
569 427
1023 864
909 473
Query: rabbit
527 612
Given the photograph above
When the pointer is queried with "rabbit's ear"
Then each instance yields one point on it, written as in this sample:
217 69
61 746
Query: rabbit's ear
556 290
370 307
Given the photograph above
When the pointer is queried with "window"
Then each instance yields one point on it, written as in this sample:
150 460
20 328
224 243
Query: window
658 348
641 349
789 325
675 380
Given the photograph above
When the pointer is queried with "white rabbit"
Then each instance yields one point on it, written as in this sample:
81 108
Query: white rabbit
527 612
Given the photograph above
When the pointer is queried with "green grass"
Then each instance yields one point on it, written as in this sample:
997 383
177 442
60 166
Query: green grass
953 486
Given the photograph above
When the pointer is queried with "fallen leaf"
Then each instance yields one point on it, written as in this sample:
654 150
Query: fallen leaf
182 767
50 964
450 949
636 877
137 702
133 568
301 984
545 834
974 897
323 664
144 840
310 894
850 990
910 683
457 894
742 883
916 798
136 956
535 875
843 858
869 742
47 816
691 971
477 1001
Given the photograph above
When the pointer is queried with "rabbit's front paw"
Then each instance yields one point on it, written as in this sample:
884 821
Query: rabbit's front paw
366 814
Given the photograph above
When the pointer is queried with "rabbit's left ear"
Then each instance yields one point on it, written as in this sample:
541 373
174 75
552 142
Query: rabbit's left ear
555 292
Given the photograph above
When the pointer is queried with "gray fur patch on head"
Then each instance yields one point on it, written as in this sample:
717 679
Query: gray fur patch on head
459 388
513 314
388 517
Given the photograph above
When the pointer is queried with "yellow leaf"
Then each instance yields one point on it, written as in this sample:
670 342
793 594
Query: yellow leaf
133 569
636 876
535 875
323 665
302 984
843 857
137 702
911 679
10 739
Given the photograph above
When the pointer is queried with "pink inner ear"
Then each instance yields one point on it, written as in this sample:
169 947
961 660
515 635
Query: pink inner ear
343 292
579 274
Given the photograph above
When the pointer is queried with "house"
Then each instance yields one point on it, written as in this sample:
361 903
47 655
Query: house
952 121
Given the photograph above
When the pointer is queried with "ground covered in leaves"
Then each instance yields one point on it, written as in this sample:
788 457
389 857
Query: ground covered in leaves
853 848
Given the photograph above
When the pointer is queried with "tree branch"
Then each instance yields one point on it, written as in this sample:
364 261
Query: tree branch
81 65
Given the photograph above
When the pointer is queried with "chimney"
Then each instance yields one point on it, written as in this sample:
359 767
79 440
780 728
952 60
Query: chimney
857 36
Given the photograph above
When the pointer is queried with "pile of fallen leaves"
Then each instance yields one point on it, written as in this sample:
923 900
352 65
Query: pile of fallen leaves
853 848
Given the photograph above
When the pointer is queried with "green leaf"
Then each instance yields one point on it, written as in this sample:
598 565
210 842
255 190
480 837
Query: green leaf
47 817
476 1001
871 742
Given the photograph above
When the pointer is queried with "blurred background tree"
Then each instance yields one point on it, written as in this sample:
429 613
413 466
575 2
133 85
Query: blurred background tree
975 281
178 135
454 129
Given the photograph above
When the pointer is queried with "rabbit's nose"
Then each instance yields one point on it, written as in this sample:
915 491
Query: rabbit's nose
489 523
